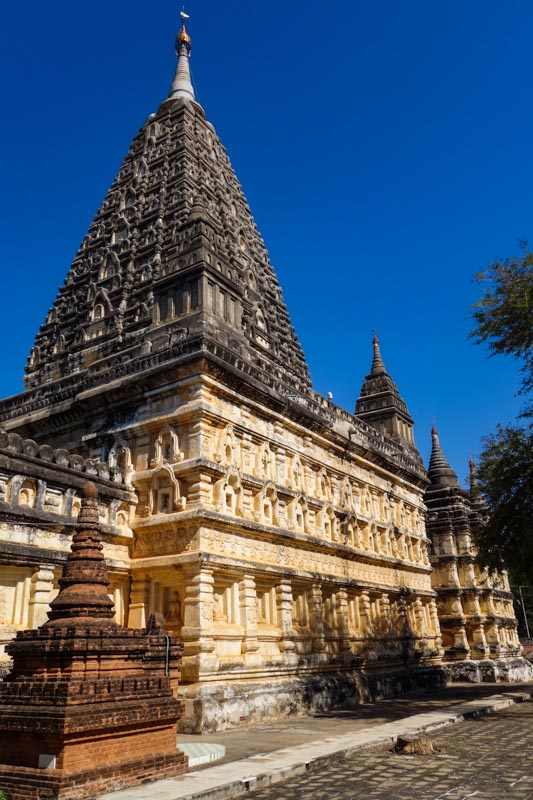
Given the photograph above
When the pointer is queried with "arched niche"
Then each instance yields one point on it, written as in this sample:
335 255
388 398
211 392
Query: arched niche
298 514
265 462
165 495
267 505
228 494
226 452
167 447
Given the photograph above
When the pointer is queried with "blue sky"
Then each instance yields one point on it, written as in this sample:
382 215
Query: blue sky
384 147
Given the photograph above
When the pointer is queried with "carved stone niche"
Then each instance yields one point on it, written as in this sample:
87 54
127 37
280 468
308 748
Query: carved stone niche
267 505
227 446
227 494
298 514
120 461
167 450
165 495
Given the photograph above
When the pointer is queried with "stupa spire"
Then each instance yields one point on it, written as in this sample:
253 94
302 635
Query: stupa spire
378 367
83 598
181 85
475 491
439 470
381 405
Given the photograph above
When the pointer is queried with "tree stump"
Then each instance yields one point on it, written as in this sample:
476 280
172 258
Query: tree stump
416 745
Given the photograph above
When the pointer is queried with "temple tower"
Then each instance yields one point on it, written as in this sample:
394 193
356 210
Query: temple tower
282 538
381 405
475 609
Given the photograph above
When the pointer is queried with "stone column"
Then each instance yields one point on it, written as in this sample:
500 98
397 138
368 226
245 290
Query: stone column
420 621
366 617
341 597
248 613
317 618
197 630
461 642
452 574
42 585
406 635
479 646
139 606
435 625
284 603
420 634
384 608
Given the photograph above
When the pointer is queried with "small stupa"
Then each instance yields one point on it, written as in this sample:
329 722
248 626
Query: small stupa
89 706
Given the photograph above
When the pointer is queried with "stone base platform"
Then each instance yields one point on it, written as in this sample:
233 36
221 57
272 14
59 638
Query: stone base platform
507 670
211 707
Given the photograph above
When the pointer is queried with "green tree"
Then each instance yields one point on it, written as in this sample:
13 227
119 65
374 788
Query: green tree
504 313
506 480
504 321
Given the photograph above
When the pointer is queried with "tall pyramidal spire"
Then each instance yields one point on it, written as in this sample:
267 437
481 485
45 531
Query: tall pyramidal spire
172 265
381 405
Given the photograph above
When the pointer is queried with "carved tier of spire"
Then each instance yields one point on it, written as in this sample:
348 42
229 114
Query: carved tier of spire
172 262
439 471
381 405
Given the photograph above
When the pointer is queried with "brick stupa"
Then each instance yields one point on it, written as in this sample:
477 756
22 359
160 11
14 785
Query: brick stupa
89 706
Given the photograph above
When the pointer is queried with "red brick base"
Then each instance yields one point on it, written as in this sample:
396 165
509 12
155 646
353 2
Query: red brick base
23 783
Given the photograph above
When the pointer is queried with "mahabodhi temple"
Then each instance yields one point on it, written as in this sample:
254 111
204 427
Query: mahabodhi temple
303 554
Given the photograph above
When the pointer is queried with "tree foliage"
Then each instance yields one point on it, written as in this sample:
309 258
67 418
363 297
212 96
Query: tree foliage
504 313
506 481
504 321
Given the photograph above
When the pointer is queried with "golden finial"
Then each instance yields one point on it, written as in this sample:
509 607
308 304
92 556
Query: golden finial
183 37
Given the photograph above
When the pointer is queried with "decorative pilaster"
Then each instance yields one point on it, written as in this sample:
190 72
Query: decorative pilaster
284 601
197 630
385 614
248 609
435 626
139 607
317 618
42 586
479 645
341 597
